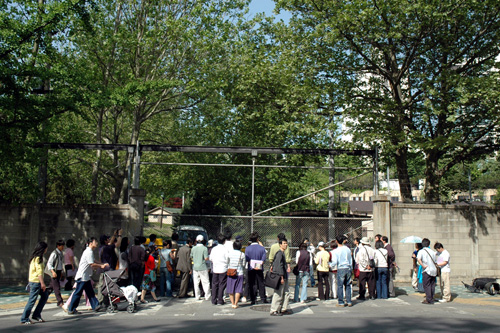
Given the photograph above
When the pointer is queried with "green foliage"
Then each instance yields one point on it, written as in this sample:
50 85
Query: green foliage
33 87
417 75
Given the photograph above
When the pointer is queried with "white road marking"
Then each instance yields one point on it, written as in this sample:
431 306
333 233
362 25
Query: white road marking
398 301
146 311
184 315
301 309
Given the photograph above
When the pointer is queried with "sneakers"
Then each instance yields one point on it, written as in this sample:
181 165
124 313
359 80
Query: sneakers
98 308
243 299
74 312
40 320
276 314
443 301
349 304
340 305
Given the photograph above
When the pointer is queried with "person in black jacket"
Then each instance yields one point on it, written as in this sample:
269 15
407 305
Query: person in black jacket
281 295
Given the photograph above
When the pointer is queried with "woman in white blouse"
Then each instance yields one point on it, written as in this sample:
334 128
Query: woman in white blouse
382 270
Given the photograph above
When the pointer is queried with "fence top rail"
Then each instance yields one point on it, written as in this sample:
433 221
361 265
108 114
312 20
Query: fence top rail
270 217
206 149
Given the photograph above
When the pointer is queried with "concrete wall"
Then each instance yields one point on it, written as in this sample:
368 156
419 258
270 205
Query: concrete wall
470 234
25 225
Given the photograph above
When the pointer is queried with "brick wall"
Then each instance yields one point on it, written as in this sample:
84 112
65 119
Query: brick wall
24 225
470 234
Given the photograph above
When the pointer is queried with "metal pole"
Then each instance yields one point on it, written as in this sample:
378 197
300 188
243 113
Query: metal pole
470 188
388 183
129 171
137 165
331 192
161 216
254 153
375 172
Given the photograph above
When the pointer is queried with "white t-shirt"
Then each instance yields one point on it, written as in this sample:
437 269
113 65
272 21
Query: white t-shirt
229 245
442 257
219 258
85 269
311 249
428 257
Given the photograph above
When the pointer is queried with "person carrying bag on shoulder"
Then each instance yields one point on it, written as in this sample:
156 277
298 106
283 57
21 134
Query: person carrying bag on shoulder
281 296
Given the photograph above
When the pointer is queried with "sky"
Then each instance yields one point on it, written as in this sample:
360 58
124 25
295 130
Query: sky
266 6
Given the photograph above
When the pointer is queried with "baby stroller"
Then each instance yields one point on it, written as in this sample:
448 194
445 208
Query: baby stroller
116 294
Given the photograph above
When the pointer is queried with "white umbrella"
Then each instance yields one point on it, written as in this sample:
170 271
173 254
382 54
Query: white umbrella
411 239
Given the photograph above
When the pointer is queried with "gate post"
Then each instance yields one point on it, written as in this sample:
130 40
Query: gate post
382 215
136 211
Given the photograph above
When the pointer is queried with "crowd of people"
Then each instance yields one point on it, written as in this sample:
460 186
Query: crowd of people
220 270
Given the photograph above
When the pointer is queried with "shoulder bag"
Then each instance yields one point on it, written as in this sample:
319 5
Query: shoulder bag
233 272
438 269
167 263
371 262
272 280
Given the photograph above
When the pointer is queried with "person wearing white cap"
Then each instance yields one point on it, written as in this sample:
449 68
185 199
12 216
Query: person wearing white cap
199 256
322 258
366 273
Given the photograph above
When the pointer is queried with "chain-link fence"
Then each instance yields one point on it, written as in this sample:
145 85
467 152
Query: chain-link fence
316 229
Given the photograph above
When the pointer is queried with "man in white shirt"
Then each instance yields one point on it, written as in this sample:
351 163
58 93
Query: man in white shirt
83 276
443 262
366 272
55 269
427 259
219 259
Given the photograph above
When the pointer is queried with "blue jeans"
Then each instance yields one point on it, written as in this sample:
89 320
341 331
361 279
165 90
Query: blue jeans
77 294
382 276
344 280
302 277
311 274
166 280
35 290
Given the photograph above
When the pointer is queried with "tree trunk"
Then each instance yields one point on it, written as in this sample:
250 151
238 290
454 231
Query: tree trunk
432 178
401 155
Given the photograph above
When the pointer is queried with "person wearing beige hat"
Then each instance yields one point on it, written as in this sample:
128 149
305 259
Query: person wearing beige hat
366 272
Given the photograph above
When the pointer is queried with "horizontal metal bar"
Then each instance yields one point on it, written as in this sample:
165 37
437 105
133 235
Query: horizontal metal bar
365 218
206 149
250 165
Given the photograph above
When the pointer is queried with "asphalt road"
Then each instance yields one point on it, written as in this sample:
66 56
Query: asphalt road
403 313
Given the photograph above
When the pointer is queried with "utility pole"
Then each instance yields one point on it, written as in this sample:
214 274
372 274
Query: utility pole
331 191
161 216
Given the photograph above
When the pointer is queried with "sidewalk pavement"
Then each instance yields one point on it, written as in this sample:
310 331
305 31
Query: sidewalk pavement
13 299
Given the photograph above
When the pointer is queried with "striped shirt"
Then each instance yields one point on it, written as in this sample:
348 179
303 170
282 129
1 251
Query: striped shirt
237 260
